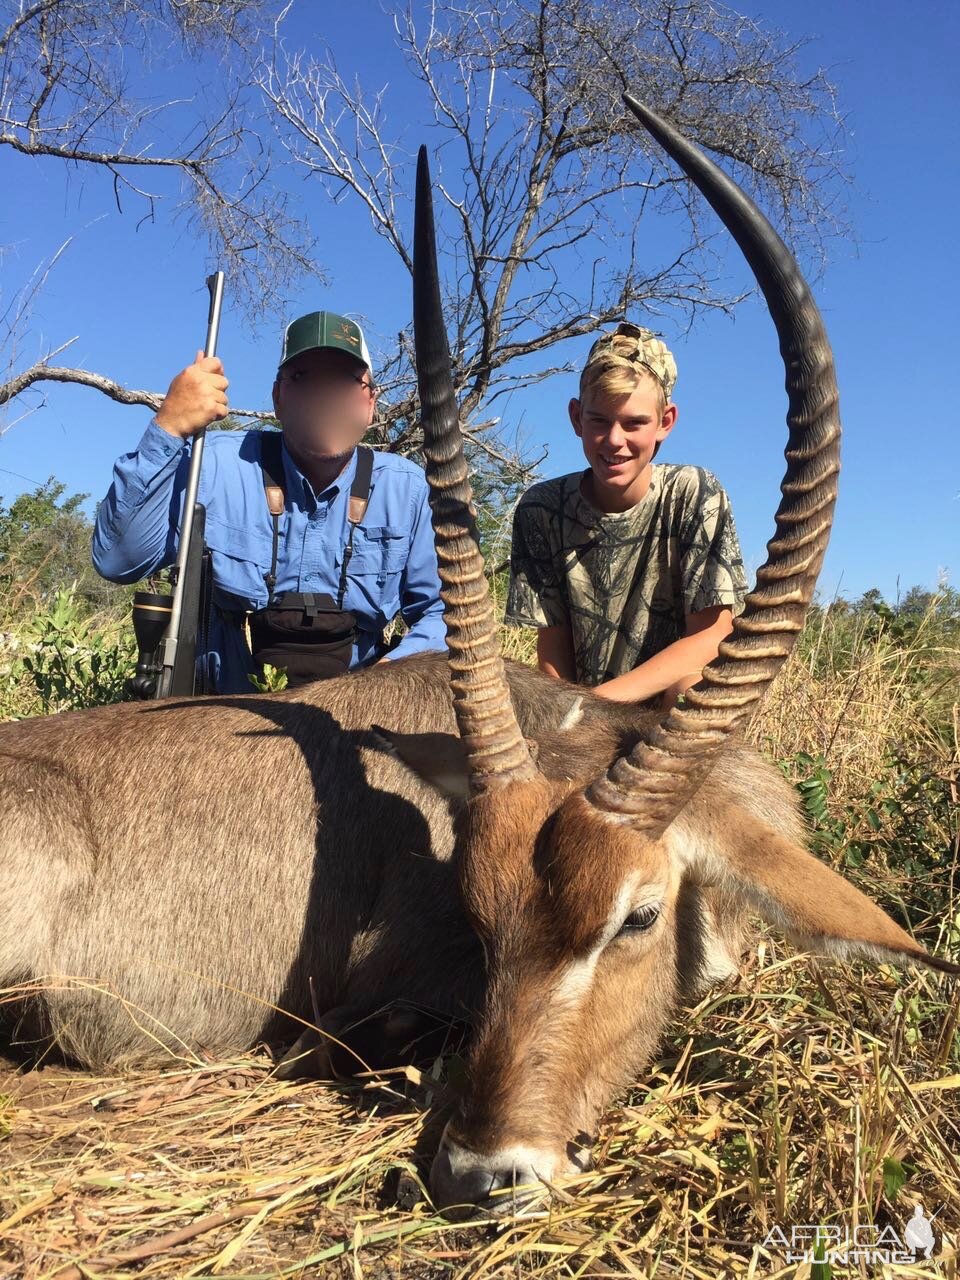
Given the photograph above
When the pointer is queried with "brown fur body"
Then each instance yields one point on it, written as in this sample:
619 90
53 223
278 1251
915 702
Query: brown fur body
175 872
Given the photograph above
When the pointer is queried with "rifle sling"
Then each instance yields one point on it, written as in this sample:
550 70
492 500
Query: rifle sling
271 465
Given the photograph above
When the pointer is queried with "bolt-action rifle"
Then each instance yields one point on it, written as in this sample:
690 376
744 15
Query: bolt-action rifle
166 626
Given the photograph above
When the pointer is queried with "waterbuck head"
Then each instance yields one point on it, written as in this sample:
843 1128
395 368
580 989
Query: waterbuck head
578 884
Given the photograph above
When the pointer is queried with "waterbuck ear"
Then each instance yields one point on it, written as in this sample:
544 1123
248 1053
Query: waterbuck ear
786 885
437 758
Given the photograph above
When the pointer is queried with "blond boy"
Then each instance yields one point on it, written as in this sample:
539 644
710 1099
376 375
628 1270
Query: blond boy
631 570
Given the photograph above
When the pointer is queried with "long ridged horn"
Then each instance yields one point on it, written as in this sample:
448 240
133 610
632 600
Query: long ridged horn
496 750
651 784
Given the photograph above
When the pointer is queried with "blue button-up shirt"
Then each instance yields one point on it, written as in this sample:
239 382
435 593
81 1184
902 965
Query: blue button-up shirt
393 568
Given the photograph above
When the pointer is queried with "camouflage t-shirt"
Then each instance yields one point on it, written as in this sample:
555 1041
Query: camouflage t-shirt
625 581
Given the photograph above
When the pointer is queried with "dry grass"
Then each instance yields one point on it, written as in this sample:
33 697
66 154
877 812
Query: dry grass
787 1098
798 1094
854 690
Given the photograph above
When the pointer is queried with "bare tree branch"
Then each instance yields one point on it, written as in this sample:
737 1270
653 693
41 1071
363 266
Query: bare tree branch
546 180
65 67
558 215
407 443
44 372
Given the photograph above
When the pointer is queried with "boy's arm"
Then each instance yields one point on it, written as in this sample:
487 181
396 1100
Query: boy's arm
676 668
555 652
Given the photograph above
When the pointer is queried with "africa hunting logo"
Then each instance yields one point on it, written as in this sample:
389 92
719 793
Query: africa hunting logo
863 1243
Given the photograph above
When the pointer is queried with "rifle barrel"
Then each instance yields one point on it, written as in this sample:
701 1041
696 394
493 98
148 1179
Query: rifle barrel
171 639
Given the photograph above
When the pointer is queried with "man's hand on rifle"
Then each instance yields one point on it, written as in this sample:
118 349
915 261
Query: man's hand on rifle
196 397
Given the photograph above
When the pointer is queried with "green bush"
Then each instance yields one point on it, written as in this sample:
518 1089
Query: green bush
44 543
69 661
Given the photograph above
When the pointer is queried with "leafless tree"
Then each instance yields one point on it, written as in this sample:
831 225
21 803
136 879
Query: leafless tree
547 203
77 81
550 215
65 73
15 324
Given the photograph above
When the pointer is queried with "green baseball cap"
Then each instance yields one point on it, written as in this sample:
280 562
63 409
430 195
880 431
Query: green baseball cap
324 329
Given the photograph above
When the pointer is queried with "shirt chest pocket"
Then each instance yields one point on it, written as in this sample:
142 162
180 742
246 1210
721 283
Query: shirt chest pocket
241 558
379 551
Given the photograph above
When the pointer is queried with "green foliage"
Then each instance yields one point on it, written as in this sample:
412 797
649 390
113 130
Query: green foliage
906 819
895 1175
913 1011
920 635
819 1268
44 543
59 649
273 680
813 785
70 662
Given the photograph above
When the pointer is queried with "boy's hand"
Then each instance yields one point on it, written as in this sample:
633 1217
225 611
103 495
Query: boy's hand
196 397
555 652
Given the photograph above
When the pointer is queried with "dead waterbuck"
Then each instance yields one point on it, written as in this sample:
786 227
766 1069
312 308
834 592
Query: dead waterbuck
506 849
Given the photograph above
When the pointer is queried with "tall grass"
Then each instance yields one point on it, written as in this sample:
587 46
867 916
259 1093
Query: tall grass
864 719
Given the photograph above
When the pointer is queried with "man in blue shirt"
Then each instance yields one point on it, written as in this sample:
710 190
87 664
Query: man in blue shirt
324 398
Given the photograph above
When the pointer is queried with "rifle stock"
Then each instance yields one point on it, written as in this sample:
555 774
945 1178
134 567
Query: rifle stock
178 677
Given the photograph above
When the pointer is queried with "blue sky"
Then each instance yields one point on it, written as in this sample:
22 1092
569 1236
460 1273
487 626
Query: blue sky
136 300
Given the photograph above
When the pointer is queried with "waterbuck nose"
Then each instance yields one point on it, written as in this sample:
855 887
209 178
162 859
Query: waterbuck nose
461 1177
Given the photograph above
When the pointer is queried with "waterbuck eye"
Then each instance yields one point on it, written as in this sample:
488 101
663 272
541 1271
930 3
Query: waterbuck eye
641 920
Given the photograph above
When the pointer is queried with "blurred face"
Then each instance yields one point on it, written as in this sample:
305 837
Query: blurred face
324 400
619 436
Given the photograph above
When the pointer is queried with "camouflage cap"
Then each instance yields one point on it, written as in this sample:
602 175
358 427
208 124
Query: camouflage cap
637 346
324 329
